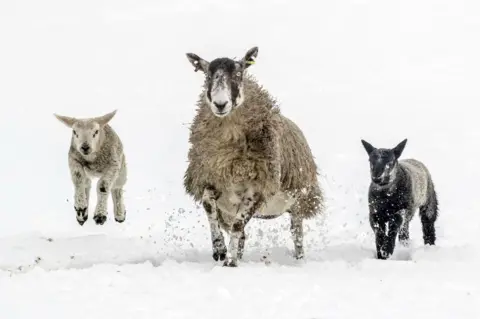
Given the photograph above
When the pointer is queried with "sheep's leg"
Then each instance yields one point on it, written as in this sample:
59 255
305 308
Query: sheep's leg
104 188
379 228
209 202
393 228
88 187
246 209
296 228
117 197
80 183
404 234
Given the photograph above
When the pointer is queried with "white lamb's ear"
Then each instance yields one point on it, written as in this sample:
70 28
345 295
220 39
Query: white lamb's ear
103 120
68 121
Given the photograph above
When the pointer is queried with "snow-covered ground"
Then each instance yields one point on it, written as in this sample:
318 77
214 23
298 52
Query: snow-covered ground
343 70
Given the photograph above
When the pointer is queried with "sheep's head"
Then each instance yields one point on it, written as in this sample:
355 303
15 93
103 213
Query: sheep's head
224 80
87 134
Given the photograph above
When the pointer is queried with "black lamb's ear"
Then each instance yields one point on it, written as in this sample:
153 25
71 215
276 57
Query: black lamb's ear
398 150
368 147
198 62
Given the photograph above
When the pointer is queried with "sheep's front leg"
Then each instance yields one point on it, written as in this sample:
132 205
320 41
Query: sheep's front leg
80 183
379 228
246 209
104 187
209 202
393 228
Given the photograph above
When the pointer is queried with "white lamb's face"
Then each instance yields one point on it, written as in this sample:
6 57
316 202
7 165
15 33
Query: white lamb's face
86 137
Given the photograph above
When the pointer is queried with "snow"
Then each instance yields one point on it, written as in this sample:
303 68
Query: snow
342 70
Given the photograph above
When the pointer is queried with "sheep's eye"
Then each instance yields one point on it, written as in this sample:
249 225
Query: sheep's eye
75 133
96 132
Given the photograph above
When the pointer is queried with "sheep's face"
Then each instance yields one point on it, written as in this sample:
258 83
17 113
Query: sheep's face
383 162
87 134
223 81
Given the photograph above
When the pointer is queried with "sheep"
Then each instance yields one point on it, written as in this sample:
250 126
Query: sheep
397 189
246 159
96 152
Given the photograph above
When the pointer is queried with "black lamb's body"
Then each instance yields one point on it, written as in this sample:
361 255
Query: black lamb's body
397 190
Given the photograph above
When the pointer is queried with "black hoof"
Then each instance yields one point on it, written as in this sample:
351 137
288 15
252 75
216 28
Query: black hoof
82 215
100 219
219 256
121 220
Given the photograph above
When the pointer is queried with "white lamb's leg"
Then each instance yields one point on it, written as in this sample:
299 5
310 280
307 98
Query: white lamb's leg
117 196
118 205
80 183
209 201
104 188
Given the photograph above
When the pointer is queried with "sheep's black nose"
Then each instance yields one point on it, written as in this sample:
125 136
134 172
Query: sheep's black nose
85 148
220 106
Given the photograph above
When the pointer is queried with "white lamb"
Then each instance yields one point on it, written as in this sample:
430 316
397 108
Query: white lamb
96 152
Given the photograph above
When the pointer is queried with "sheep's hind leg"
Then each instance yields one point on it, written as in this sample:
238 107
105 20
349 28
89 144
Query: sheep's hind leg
404 233
209 202
104 188
296 229
428 216
246 209
119 211
118 205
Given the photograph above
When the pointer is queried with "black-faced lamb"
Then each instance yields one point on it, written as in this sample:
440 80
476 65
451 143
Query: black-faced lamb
397 189
246 159
96 152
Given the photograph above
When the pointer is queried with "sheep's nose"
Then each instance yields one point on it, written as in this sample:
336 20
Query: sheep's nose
85 148
220 105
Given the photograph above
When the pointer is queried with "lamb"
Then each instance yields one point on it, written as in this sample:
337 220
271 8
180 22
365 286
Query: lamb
397 190
96 152
246 159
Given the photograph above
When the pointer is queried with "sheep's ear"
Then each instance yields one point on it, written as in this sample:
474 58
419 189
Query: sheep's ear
249 57
103 120
198 62
399 148
368 147
68 121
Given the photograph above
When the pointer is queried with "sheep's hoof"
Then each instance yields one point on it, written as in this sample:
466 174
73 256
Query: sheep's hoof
219 256
100 219
118 220
82 215
230 263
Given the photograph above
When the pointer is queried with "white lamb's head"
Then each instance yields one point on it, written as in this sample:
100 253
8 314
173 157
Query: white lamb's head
224 80
87 134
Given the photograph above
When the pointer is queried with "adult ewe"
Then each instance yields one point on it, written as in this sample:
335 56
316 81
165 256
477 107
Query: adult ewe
246 159
96 152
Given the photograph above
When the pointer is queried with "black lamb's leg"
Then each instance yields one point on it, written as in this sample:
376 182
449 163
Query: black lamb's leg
393 228
428 216
379 228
